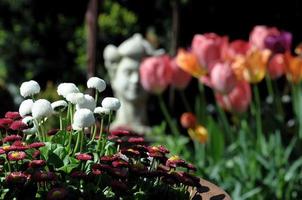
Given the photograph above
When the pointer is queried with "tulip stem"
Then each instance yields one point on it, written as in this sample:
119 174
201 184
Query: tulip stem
269 86
258 112
297 98
185 101
171 123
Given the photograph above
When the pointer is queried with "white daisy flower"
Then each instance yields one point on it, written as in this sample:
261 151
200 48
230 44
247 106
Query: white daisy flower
31 127
111 103
96 83
88 102
75 98
59 106
101 111
65 88
82 118
25 107
29 88
41 108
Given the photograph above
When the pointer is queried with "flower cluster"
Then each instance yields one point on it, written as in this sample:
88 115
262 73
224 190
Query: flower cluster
82 158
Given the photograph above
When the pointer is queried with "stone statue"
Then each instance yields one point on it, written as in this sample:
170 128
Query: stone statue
122 64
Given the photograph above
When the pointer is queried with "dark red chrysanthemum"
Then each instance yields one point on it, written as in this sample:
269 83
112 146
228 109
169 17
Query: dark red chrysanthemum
36 145
175 161
5 122
109 159
18 126
2 151
36 154
16 155
12 138
84 157
130 152
79 175
19 146
17 178
57 194
120 133
120 163
119 187
52 131
136 140
37 163
12 115
44 176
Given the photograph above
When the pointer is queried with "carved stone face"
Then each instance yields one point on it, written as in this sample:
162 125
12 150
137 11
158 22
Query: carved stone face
126 82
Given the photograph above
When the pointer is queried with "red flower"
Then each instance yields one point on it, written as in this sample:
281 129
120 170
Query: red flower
78 175
84 157
18 126
2 151
5 122
17 178
36 154
188 120
12 115
36 145
16 155
52 131
120 133
119 163
44 176
57 194
19 146
37 163
12 138
136 140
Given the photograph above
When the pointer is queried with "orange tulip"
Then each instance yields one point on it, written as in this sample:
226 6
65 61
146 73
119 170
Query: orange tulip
252 66
199 133
189 63
293 68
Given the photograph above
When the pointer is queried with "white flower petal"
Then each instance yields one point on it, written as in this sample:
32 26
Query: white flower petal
29 88
101 111
83 118
65 88
88 103
96 83
75 98
111 103
41 108
59 106
25 107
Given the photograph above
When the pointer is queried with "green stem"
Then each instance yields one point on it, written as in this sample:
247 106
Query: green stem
96 97
225 123
61 121
100 136
185 101
77 142
82 140
258 112
297 105
171 124
269 86
36 123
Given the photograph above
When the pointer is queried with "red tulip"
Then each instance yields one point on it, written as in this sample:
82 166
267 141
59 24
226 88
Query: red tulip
276 66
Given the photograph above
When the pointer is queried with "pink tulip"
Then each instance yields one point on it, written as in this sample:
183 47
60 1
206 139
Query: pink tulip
208 48
180 78
235 48
276 66
259 35
238 100
156 74
223 79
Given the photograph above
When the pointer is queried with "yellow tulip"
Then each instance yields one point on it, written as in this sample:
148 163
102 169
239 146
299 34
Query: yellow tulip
188 62
199 133
252 66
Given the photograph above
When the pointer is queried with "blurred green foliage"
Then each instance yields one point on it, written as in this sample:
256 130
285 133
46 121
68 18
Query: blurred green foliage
116 20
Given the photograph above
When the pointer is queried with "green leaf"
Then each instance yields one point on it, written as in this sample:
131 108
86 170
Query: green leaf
54 159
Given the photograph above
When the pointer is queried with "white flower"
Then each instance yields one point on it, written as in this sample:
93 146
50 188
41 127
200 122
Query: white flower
29 122
88 102
75 98
65 88
41 108
101 111
29 88
25 107
59 106
82 118
111 103
96 83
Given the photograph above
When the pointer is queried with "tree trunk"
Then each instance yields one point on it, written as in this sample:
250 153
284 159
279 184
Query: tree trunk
91 20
